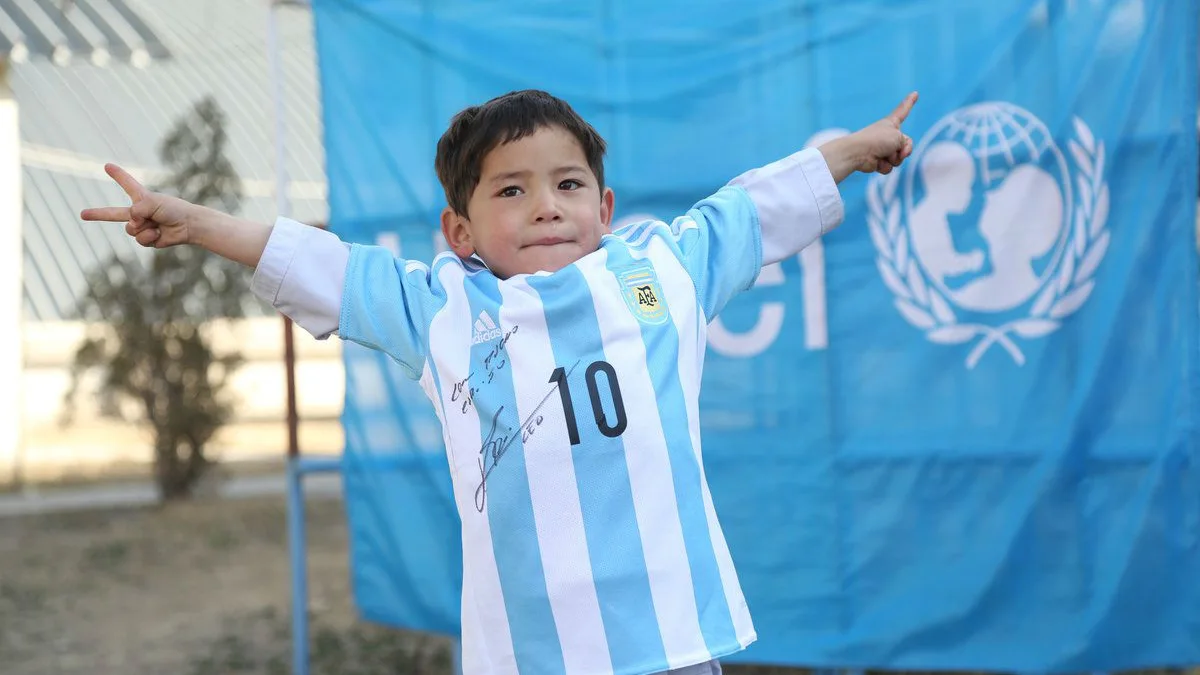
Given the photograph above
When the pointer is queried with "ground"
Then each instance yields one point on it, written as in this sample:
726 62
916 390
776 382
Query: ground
198 588
191 589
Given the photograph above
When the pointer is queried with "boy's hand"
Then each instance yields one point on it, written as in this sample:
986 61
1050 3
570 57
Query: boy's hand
879 147
153 219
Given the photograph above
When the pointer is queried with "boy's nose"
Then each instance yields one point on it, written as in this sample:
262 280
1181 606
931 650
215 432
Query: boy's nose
547 207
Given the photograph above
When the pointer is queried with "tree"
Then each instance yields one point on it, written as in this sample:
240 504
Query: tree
147 333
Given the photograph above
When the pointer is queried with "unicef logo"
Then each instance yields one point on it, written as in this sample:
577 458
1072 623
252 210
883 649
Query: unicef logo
986 234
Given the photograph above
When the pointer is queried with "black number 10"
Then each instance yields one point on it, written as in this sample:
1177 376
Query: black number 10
560 378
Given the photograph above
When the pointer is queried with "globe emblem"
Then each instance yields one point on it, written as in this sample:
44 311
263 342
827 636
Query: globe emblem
989 206
991 234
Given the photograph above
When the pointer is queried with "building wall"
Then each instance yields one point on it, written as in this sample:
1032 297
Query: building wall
93 446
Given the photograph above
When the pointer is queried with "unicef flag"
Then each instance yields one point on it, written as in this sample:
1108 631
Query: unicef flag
960 431
993 233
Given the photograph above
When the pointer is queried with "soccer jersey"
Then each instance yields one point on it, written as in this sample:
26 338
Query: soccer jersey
569 408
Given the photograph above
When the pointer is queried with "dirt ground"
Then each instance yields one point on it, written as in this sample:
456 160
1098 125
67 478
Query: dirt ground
191 589
199 588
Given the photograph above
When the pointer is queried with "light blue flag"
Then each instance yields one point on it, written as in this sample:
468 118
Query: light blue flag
959 433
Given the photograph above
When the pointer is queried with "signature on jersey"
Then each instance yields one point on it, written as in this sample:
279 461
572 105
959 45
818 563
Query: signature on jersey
493 362
497 442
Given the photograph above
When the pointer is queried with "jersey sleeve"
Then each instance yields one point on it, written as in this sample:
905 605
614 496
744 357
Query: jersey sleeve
759 218
362 294
797 201
388 305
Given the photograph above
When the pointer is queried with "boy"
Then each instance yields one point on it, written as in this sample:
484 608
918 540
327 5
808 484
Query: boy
564 363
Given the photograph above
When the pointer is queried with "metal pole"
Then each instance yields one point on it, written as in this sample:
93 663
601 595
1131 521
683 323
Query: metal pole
297 549
297 552
283 208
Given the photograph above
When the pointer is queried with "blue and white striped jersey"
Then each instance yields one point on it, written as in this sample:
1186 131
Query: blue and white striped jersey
569 407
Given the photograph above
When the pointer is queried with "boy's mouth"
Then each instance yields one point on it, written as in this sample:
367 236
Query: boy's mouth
548 241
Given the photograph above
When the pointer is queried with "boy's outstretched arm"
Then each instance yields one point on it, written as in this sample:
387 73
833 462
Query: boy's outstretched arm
797 200
304 272
299 269
156 220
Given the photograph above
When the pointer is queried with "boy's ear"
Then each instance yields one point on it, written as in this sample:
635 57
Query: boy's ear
457 234
606 208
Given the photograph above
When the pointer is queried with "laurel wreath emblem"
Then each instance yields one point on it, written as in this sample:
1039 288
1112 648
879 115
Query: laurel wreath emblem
923 306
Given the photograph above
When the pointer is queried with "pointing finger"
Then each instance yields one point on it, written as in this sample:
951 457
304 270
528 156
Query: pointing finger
127 182
112 214
901 112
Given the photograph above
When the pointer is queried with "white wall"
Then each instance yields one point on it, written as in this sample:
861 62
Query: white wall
11 257
94 446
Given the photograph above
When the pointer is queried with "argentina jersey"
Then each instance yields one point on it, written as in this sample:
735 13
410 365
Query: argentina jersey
570 416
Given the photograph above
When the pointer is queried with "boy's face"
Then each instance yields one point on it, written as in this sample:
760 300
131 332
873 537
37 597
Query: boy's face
538 207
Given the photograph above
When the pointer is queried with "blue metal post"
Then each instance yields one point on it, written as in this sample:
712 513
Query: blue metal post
295 488
297 550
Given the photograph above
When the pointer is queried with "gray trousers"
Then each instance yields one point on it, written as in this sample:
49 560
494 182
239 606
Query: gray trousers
707 668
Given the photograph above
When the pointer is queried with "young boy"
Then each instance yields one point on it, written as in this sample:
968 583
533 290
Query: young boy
564 362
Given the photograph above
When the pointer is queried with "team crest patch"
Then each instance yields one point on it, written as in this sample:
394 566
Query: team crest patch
644 295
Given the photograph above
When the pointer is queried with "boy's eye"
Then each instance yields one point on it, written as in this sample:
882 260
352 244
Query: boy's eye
510 191
570 184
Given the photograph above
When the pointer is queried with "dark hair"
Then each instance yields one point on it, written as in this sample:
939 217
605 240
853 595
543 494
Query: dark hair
476 131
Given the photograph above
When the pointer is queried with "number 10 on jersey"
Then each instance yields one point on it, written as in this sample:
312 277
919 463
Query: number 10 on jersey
559 377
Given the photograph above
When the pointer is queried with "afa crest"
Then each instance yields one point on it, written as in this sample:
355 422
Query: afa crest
644 295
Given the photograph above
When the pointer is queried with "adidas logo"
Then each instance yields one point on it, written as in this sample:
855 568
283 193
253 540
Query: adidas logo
485 329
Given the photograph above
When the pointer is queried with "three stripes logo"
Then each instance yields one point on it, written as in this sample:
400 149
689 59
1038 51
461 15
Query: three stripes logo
485 329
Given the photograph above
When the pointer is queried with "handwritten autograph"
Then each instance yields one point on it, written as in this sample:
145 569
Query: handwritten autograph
490 361
493 362
494 446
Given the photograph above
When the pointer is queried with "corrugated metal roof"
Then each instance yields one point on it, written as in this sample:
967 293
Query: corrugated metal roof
62 30
76 117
